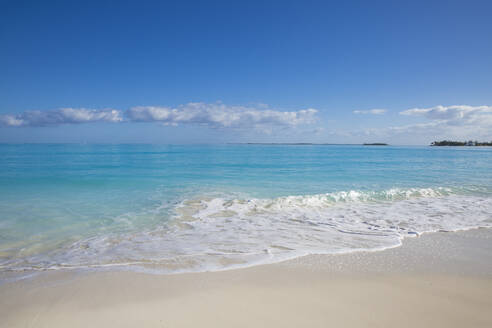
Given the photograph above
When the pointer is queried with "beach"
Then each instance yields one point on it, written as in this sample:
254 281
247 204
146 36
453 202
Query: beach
245 236
211 164
435 280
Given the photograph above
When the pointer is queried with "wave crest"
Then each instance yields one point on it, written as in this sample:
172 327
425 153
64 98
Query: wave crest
215 233
207 207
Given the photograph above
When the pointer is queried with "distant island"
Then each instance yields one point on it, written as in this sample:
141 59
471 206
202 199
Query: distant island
460 143
303 144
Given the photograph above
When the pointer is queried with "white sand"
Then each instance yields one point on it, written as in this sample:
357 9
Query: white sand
437 280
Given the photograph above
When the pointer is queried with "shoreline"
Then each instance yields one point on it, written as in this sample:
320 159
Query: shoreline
156 269
439 279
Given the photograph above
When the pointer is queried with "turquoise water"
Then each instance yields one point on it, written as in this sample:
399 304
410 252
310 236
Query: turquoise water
193 208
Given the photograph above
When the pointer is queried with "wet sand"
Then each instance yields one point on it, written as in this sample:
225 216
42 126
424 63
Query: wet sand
436 280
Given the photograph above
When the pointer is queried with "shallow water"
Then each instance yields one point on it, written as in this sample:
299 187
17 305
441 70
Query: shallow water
195 208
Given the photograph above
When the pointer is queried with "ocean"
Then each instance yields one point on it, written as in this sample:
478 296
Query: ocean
171 209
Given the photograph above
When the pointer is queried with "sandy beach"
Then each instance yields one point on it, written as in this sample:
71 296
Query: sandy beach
228 164
436 280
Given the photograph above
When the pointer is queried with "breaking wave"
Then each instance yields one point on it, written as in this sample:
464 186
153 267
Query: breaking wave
216 233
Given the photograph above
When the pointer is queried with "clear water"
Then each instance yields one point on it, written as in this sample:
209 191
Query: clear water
193 208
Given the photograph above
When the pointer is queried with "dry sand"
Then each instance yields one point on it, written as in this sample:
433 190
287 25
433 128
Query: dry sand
437 280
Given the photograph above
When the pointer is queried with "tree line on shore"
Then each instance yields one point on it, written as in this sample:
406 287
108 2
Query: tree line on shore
460 143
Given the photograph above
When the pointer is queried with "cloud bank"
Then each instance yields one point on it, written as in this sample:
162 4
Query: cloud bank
221 116
458 115
441 122
461 122
61 116
212 115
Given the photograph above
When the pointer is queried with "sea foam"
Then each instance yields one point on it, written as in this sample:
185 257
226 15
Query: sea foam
217 233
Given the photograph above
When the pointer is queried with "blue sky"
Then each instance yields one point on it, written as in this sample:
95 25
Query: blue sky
245 71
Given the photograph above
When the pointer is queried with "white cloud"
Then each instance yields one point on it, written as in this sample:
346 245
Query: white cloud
375 111
61 116
461 122
219 115
215 115
461 113
460 119
10 120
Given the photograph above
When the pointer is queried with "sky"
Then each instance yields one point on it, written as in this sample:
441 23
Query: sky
178 72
